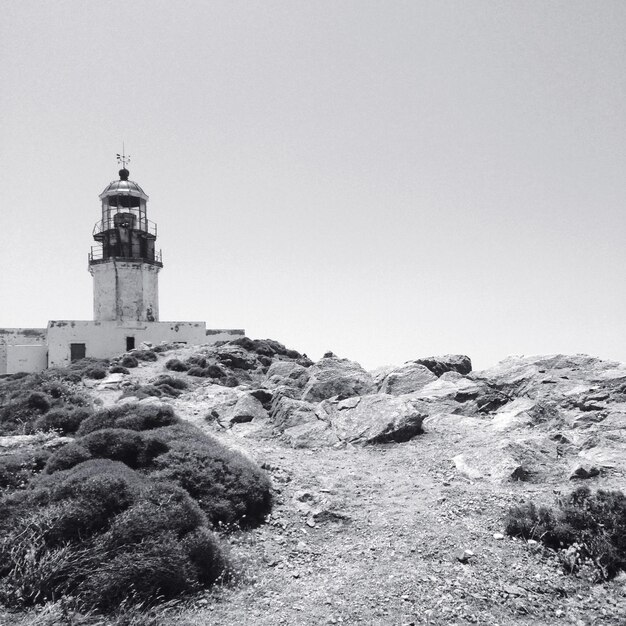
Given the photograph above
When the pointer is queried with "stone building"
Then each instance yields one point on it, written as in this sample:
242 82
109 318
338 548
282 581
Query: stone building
125 266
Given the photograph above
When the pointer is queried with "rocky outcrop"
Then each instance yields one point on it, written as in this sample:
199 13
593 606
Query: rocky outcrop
372 419
408 378
331 377
439 365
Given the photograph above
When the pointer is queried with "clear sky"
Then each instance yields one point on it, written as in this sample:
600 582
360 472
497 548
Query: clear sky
387 180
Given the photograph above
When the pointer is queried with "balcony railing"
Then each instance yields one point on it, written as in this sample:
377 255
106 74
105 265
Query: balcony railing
96 255
143 225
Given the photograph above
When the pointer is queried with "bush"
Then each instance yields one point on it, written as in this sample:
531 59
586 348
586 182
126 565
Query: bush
18 468
94 530
142 391
121 444
172 381
198 371
66 457
197 359
118 369
106 536
38 402
96 373
229 487
176 365
129 361
585 528
66 421
145 355
23 401
130 416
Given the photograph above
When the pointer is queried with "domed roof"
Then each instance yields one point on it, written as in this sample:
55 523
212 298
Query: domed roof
123 186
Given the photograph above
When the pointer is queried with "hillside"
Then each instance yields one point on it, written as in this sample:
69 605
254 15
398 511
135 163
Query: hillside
391 487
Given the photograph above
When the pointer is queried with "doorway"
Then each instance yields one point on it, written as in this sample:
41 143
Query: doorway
130 343
77 351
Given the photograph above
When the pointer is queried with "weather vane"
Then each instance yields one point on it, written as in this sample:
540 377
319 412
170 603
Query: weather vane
122 158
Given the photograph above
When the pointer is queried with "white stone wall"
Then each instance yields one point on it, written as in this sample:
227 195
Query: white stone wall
22 337
125 291
106 339
21 358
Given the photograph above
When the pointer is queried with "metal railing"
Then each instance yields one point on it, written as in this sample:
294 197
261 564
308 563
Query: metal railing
96 255
143 225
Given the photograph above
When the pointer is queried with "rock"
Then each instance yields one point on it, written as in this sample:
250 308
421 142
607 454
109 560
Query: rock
287 369
332 377
452 389
498 536
377 418
438 365
582 469
112 381
246 409
464 556
287 412
509 459
408 378
311 435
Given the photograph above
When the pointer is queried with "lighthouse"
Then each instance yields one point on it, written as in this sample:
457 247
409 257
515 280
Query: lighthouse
125 263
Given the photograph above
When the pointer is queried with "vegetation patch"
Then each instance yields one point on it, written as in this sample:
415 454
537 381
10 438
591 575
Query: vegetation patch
44 401
586 530
104 535
124 514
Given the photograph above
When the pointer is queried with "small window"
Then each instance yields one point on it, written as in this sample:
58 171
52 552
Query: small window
130 343
77 351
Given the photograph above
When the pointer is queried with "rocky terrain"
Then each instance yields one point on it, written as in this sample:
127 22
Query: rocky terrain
391 487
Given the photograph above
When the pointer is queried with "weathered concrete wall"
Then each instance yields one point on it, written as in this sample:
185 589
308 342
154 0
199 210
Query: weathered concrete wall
106 339
213 335
125 291
19 336
20 358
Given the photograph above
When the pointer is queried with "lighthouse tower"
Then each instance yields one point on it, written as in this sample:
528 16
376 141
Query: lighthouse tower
125 263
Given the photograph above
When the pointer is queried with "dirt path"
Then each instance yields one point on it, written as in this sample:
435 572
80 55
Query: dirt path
372 535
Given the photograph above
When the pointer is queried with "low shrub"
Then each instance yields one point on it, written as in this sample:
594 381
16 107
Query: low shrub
105 536
122 514
66 421
215 371
38 401
96 373
67 457
131 416
198 371
142 391
145 355
129 361
230 488
172 381
121 444
118 369
228 381
584 528
18 468
176 365
197 359
24 400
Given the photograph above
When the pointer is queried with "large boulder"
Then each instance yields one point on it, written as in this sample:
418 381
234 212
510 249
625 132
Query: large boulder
521 459
288 412
439 365
408 378
246 409
286 374
331 377
379 418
